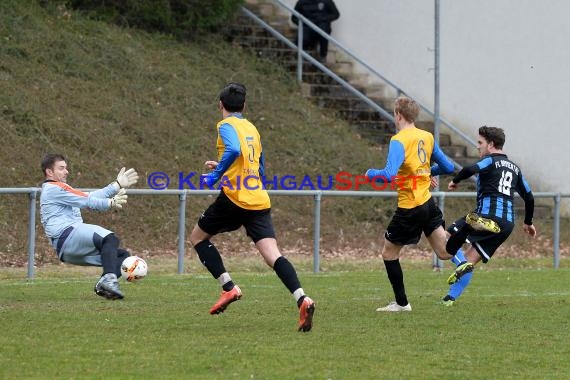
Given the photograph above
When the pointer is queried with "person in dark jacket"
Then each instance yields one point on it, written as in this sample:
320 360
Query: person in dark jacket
321 13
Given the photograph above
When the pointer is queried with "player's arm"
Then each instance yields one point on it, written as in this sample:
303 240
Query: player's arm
106 192
333 12
262 164
443 164
396 156
525 192
469 171
62 193
232 151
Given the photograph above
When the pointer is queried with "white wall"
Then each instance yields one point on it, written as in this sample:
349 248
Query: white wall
504 63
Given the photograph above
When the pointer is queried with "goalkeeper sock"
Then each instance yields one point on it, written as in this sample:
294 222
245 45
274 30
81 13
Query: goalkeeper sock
108 249
122 254
396 277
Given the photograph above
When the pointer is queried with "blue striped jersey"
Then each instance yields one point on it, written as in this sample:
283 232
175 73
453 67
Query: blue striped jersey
497 182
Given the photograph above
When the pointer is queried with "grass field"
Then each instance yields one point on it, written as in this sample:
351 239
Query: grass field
511 323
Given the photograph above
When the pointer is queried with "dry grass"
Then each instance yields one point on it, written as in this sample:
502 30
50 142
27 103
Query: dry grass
108 97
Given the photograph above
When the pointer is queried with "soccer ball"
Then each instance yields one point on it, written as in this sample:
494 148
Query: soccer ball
133 268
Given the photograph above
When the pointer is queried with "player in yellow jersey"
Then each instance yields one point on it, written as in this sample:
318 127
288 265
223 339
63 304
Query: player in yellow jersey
243 201
409 159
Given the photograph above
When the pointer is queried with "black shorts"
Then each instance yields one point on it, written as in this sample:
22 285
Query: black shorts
484 242
407 225
223 216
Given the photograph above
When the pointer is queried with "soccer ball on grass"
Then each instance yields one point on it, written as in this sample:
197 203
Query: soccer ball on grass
133 268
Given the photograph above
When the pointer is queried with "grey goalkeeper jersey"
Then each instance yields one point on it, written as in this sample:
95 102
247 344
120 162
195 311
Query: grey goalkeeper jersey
60 205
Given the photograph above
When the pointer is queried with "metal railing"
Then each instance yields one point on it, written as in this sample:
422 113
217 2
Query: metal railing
303 55
316 194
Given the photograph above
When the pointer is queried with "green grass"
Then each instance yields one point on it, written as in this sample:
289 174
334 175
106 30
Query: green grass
511 323
108 97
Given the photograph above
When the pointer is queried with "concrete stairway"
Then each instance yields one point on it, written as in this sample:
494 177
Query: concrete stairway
324 91
328 94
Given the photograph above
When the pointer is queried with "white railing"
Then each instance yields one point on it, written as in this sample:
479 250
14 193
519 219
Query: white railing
316 194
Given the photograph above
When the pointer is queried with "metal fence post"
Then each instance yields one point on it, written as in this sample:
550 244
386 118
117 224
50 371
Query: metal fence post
181 231
436 102
317 233
556 228
32 234
299 52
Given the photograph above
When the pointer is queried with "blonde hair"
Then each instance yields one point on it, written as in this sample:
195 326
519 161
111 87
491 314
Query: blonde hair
407 107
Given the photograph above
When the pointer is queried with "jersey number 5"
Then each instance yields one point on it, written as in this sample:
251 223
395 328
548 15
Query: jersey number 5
506 182
251 155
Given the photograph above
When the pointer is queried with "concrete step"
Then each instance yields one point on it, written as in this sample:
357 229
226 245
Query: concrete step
342 102
266 43
444 139
345 69
317 78
265 10
454 151
244 27
325 91
425 125
241 25
332 91
291 66
279 56
360 115
466 161
377 132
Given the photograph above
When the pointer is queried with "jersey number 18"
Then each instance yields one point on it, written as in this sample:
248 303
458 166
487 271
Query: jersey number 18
506 182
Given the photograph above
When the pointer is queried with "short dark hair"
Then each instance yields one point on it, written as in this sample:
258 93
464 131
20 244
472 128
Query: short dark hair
494 135
49 161
233 97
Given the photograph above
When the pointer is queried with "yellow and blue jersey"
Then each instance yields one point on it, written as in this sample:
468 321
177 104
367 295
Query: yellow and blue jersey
409 165
240 163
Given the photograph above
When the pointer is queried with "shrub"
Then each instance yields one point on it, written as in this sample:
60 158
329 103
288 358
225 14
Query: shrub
182 18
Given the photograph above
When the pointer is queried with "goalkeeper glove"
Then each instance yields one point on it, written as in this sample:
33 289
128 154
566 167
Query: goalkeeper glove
127 178
119 199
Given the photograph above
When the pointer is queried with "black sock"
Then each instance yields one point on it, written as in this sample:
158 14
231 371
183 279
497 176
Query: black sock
300 301
287 274
122 254
210 258
396 277
457 239
228 286
109 246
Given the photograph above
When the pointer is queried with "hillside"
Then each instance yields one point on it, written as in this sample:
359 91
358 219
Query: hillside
108 97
